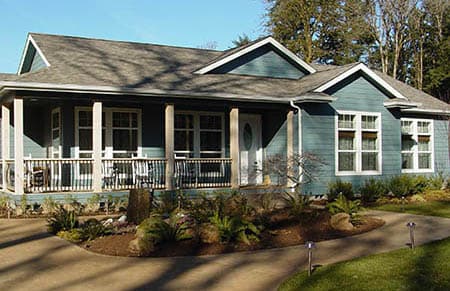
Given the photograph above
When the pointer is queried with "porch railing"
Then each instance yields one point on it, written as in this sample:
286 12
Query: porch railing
58 175
202 173
133 173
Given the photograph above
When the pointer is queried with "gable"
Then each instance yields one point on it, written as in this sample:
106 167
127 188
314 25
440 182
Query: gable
265 61
32 59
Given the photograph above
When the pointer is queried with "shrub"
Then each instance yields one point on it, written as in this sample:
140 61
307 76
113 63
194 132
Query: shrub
436 182
175 228
92 228
266 202
49 205
296 202
372 190
166 203
4 203
93 203
344 205
338 187
62 220
73 235
235 229
401 185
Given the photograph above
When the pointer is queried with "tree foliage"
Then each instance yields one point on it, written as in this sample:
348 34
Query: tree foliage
406 39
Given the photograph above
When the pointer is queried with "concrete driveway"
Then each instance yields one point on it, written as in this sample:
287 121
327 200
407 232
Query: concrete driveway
31 259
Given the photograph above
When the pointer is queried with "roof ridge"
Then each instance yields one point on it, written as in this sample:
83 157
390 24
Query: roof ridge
122 41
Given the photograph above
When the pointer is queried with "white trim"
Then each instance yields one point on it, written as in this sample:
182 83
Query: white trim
358 145
415 150
401 104
18 147
59 128
268 40
38 50
368 72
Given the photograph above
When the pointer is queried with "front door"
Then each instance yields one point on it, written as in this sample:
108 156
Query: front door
250 149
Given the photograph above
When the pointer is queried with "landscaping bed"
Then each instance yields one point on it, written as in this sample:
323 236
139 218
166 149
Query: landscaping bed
282 231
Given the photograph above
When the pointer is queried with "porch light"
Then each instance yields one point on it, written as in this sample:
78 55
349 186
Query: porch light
310 245
411 225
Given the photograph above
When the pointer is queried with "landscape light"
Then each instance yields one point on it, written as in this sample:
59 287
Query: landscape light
411 225
310 245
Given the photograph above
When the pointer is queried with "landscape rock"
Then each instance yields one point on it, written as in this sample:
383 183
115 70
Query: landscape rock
341 222
142 245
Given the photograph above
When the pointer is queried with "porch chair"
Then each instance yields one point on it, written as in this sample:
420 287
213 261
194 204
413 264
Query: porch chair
109 176
143 174
185 174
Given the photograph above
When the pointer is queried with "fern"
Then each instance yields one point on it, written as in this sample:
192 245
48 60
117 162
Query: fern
235 229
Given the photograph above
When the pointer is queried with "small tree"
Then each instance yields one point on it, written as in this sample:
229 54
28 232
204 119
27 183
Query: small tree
295 170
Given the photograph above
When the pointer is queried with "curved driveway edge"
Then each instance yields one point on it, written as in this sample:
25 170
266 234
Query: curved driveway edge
30 259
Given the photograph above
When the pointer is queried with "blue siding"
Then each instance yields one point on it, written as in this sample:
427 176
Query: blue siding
441 146
265 61
318 125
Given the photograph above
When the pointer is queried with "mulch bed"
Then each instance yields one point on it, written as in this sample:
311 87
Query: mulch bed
283 231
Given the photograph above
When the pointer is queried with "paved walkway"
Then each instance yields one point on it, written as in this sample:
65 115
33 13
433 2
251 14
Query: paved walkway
30 259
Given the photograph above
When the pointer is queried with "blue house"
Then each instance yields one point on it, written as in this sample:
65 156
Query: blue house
91 116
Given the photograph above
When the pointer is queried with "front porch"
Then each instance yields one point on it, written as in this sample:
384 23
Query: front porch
100 145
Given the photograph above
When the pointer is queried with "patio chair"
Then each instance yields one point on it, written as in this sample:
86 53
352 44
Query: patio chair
143 174
109 176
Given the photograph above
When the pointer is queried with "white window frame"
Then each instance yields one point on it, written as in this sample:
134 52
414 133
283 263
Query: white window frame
196 115
59 129
358 143
108 111
415 149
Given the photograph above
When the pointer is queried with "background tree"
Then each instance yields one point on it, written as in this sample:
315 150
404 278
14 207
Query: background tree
241 40
406 39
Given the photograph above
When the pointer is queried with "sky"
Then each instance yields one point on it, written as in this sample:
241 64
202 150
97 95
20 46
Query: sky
188 23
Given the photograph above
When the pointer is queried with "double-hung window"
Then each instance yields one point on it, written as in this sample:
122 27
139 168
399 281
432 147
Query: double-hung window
358 143
199 135
120 132
417 145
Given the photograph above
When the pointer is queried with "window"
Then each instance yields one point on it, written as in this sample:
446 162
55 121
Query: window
358 143
417 145
199 135
56 133
120 133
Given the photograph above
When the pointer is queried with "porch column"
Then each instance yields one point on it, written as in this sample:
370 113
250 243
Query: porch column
18 147
97 146
290 146
169 145
234 147
5 143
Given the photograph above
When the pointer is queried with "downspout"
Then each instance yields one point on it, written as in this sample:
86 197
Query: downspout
299 131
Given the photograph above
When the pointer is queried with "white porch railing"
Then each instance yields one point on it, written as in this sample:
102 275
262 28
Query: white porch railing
63 175
202 173
133 173
58 175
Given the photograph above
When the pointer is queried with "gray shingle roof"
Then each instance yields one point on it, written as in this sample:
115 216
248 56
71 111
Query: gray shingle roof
7 77
96 62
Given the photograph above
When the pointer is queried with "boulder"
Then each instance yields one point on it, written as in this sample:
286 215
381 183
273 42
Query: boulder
142 246
209 233
341 222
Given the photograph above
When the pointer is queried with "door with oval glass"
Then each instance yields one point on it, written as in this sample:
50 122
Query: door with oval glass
250 149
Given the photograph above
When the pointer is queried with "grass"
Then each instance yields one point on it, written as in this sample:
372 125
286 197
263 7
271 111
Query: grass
432 208
425 268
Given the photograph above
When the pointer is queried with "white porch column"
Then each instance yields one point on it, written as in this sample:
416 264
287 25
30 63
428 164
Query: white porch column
5 143
290 145
97 146
18 147
234 147
169 145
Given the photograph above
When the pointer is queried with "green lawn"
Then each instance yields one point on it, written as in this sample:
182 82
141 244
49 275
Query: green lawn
433 208
424 268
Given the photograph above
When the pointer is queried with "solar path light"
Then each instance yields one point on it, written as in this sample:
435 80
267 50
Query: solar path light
310 245
411 225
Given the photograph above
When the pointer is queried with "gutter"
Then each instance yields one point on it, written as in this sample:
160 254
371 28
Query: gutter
299 131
